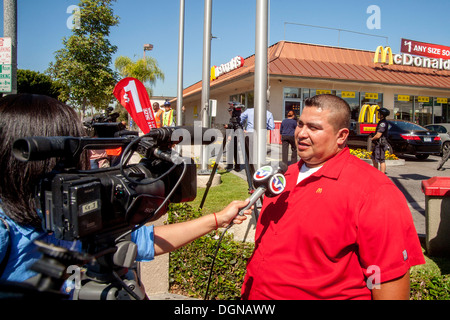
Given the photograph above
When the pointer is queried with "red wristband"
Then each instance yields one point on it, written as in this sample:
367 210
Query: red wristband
215 217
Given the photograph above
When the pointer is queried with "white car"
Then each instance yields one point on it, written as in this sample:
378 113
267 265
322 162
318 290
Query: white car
443 129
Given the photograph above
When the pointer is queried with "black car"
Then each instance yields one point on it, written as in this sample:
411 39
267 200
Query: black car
443 129
404 137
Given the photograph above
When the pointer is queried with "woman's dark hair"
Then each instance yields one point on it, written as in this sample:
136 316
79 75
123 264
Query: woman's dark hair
25 115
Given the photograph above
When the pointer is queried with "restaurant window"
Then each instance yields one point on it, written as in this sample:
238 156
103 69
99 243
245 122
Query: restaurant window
247 99
352 98
423 110
289 93
372 98
292 101
403 107
441 110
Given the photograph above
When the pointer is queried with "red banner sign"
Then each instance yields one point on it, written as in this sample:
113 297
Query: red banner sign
132 94
425 49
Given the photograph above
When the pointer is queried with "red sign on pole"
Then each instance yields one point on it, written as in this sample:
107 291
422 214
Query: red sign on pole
425 49
132 94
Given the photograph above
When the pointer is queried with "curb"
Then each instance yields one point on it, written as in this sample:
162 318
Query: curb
389 163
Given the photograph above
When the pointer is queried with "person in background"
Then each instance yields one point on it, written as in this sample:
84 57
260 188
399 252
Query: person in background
26 115
380 141
234 124
158 114
248 124
168 117
248 120
183 115
330 234
287 130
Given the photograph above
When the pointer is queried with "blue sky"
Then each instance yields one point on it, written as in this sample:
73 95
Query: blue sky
42 25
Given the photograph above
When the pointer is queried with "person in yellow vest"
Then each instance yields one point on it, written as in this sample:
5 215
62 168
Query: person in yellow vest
168 115
158 114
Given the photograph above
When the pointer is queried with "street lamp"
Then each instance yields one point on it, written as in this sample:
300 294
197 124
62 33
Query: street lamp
147 47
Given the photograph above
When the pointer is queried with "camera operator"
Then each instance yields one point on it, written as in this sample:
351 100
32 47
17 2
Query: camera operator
234 124
25 115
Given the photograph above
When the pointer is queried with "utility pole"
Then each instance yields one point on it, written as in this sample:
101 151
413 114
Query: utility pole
206 78
180 65
10 30
260 134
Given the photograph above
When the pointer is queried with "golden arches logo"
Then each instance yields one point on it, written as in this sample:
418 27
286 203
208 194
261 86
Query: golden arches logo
385 52
371 112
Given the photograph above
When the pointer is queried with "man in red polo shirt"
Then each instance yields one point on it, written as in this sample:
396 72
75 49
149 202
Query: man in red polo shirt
340 230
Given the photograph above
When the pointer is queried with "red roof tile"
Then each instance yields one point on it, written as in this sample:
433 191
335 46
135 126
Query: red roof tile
317 61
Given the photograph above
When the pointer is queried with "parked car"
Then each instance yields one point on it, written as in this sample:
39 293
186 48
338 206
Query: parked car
443 129
404 137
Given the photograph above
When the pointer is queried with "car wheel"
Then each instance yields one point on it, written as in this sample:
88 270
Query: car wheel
445 147
422 156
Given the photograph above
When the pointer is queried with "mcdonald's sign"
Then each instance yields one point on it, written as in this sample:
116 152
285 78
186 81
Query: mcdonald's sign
385 52
409 60
233 64
368 119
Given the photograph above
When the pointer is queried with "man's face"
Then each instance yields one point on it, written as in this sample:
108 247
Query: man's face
316 139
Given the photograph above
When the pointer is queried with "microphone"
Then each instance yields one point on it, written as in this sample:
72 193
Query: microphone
263 174
270 182
196 135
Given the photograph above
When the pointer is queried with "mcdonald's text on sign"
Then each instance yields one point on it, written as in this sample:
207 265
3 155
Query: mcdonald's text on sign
385 56
235 63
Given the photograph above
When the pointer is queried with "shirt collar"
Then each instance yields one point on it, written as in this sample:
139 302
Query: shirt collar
331 169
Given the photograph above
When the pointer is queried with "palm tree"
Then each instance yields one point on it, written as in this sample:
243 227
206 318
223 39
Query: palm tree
146 70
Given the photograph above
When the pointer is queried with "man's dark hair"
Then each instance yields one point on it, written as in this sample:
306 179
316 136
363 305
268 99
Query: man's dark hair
340 110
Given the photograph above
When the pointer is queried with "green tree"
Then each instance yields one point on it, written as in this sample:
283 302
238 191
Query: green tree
29 81
83 64
146 70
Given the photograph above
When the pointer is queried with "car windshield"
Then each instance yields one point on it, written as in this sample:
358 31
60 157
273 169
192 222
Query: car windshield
409 126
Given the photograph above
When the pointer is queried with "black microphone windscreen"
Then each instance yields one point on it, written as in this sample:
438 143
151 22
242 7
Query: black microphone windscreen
282 168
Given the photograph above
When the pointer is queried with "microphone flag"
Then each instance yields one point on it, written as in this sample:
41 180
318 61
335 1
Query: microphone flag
133 96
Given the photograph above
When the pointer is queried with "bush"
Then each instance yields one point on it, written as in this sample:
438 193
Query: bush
364 154
189 267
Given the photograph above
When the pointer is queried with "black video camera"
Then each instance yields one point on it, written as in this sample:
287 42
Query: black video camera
104 125
97 204
235 120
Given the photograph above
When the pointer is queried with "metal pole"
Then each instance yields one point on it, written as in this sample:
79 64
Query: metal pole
260 134
10 30
180 65
206 77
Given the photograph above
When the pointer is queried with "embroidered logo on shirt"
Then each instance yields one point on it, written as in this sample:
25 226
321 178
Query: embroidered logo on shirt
319 191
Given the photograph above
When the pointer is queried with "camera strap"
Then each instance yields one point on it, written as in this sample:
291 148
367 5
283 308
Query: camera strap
8 250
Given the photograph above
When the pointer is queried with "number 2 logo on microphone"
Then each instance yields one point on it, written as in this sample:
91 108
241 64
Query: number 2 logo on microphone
263 173
277 184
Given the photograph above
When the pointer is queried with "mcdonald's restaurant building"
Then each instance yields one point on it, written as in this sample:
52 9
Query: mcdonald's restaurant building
413 88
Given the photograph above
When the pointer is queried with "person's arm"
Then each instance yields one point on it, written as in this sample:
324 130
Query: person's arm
173 236
377 136
244 117
270 121
397 289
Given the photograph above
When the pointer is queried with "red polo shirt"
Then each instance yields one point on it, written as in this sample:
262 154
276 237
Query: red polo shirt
327 236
